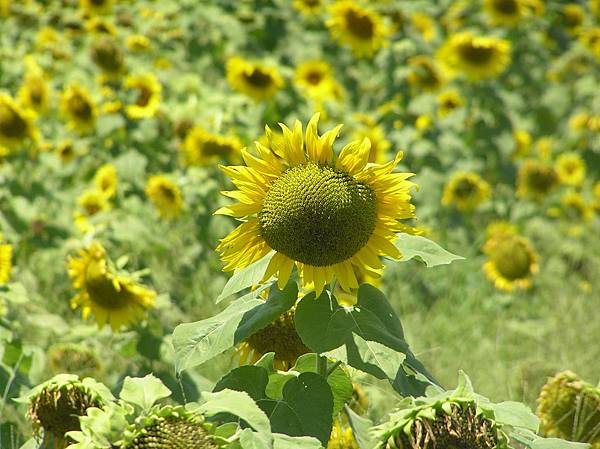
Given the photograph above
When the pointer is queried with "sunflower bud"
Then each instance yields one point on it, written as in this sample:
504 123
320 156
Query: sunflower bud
107 55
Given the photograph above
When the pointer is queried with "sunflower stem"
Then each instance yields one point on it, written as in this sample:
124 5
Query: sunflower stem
322 365
333 368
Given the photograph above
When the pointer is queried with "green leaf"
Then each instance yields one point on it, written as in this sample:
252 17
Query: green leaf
556 443
283 441
254 440
196 343
246 277
379 355
237 403
515 414
415 246
143 391
251 379
361 428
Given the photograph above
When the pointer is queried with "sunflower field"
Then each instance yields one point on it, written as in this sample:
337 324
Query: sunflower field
299 224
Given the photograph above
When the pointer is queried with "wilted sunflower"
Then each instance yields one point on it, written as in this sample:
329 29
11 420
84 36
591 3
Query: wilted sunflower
448 101
106 180
165 195
308 7
148 96
571 169
78 107
256 80
360 28
327 215
108 56
315 79
5 261
424 73
535 179
477 57
505 12
34 93
466 191
569 408
93 7
110 297
203 148
512 260
16 123
279 337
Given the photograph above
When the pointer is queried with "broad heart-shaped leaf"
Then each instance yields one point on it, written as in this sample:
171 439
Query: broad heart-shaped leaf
237 403
305 409
283 441
532 441
196 343
246 277
251 379
361 428
325 326
431 253
143 391
515 414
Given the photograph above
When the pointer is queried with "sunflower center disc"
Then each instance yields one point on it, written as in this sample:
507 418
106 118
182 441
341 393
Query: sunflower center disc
476 54
507 7
359 25
541 179
512 259
102 290
80 107
258 78
317 215
11 124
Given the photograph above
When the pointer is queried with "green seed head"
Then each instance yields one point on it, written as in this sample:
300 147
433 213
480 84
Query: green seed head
173 433
317 215
512 258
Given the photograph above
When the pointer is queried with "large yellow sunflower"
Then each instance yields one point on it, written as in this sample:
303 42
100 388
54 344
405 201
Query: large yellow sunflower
505 12
16 123
535 179
148 96
466 191
256 80
512 261
571 169
328 215
5 261
79 108
203 148
477 57
361 28
110 297
165 195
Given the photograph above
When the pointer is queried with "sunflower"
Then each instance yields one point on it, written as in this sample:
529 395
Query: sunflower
203 148
106 180
375 133
99 25
477 57
571 169
316 80
16 123
569 408
93 202
34 93
112 298
575 207
595 7
308 7
78 107
256 80
65 150
466 190
279 337
5 261
522 140
327 215
572 17
73 358
360 28
535 179
137 43
148 90
591 40
108 56
96 6
512 261
425 25
341 436
165 195
448 101
505 12
424 73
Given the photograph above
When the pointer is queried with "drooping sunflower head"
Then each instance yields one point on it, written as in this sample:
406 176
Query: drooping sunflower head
108 56
203 148
536 179
112 298
256 80
477 57
448 101
466 191
569 408
512 261
315 79
56 405
360 28
424 73
165 196
79 108
106 180
73 358
328 215
169 427
571 169
147 91
5 261
279 337
16 123
505 12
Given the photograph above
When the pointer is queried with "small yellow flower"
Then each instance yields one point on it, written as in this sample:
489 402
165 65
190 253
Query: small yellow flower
594 7
544 147
423 122
466 191
165 195
148 90
424 73
425 25
79 108
106 180
315 79
65 150
110 297
93 202
575 208
512 261
137 42
535 179
308 7
256 80
341 437
579 121
590 38
5 261
448 101
203 148
34 93
108 56
96 6
477 57
360 28
99 25
571 169
505 12
16 123
573 17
